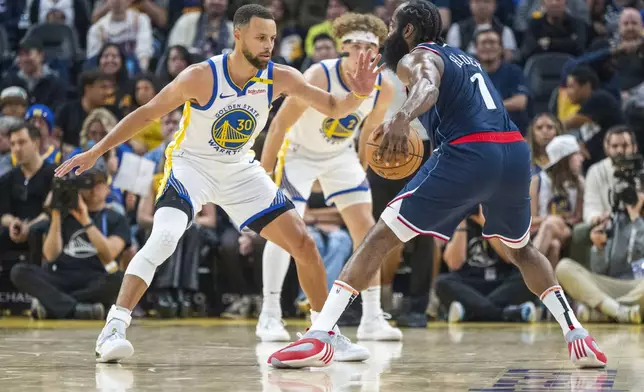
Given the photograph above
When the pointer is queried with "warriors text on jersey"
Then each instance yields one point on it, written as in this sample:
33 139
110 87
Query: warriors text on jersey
318 134
225 128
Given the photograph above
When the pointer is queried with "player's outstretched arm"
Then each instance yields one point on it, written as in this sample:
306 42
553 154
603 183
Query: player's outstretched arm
187 86
292 83
375 117
291 110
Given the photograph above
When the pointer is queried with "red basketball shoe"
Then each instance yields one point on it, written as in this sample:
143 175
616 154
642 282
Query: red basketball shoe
315 349
583 350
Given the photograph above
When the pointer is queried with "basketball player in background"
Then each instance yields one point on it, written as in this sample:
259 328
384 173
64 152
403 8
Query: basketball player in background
322 148
481 158
227 101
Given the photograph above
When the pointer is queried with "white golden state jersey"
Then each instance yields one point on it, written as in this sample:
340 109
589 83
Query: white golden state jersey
320 135
225 129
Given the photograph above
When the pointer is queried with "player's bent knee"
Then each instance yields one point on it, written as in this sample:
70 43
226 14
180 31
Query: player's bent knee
303 247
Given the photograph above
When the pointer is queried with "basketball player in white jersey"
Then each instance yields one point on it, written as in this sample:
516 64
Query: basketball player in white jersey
319 147
227 101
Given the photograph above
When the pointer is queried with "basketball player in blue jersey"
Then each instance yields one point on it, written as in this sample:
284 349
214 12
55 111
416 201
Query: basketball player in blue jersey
480 158
226 101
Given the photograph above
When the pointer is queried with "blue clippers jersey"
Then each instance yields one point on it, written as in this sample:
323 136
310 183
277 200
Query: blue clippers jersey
468 102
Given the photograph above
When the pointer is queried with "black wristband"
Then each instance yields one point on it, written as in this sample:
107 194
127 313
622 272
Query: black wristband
87 226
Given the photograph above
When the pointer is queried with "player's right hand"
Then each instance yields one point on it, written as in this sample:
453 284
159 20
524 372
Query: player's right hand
394 143
82 162
362 82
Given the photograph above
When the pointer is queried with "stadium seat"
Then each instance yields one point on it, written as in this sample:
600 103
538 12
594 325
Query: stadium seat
543 74
59 41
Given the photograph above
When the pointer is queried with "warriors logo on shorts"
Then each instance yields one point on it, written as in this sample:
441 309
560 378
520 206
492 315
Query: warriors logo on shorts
233 130
337 130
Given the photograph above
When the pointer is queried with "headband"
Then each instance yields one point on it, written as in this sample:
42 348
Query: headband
361 36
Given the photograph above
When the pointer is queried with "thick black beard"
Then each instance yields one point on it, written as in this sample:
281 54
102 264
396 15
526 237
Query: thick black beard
395 49
255 61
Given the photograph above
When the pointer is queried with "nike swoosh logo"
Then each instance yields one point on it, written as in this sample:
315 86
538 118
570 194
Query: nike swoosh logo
222 96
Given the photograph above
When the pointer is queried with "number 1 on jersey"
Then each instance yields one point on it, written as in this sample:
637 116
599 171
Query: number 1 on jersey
485 93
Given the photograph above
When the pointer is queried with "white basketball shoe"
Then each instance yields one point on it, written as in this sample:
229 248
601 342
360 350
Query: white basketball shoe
270 328
378 328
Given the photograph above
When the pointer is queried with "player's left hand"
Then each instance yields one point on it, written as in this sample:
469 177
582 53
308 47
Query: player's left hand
363 80
394 140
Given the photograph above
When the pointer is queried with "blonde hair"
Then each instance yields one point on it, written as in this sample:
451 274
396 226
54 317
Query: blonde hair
360 22
103 116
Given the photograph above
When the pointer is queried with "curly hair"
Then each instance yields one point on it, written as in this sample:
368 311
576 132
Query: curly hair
359 22
426 19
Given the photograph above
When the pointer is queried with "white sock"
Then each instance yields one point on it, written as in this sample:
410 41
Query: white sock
275 262
556 302
609 307
371 302
339 299
118 318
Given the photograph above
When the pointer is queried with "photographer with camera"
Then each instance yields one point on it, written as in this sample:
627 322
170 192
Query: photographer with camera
84 239
600 181
615 283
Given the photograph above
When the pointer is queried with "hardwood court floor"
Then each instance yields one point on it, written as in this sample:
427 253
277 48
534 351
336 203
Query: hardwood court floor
214 355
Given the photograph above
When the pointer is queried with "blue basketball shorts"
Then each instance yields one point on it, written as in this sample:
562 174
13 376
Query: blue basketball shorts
488 168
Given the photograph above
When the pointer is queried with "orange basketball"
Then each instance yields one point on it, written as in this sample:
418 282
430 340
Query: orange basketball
399 168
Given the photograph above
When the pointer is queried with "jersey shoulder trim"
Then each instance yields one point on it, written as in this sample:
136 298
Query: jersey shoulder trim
328 77
207 106
427 46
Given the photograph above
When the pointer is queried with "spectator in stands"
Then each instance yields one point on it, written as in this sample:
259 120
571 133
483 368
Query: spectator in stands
556 195
614 285
13 101
97 125
156 10
527 10
324 49
600 180
42 117
95 88
597 10
11 13
145 87
599 110
334 9
542 130
463 34
554 31
507 78
208 32
112 61
6 123
178 59
289 43
73 13
24 188
483 284
630 64
80 275
35 76
129 29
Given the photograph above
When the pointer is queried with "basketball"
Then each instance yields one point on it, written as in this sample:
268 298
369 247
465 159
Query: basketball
403 168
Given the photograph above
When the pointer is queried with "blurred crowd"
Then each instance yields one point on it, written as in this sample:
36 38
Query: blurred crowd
571 74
